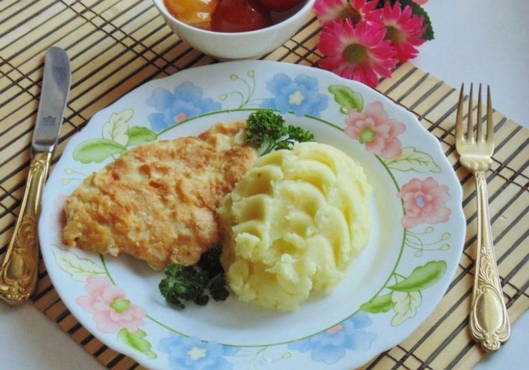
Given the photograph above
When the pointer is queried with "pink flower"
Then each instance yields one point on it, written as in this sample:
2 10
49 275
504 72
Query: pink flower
356 52
355 10
420 2
424 202
376 130
109 307
404 30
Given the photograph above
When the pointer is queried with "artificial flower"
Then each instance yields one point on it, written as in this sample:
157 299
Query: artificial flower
403 30
356 52
355 10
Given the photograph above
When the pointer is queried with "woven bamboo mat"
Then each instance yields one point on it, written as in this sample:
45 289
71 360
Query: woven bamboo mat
116 46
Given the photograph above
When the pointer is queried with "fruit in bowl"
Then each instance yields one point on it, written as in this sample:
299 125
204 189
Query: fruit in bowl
280 5
240 16
254 28
193 12
232 15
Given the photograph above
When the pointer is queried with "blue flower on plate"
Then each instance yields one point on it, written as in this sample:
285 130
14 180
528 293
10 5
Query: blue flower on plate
299 95
184 102
331 345
188 353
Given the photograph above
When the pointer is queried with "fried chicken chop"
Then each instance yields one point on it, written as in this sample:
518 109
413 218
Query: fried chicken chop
157 201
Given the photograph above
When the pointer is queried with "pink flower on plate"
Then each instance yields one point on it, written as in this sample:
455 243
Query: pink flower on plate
110 308
424 202
376 130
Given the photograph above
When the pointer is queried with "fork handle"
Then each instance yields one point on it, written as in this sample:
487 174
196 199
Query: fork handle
18 274
489 321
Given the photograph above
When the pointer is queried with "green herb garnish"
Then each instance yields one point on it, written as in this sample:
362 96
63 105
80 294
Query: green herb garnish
184 284
268 131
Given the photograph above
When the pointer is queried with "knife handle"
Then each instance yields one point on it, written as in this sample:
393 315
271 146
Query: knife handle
18 274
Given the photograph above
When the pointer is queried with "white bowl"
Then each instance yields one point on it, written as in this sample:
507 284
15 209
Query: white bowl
237 45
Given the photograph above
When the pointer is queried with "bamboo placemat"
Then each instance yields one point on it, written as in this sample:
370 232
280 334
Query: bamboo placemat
116 46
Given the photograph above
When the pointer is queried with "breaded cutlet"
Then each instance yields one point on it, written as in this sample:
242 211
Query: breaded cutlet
157 201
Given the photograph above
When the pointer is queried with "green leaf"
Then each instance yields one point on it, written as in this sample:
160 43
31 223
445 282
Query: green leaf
137 341
421 277
381 303
347 98
116 128
122 117
405 306
78 268
96 150
412 159
140 134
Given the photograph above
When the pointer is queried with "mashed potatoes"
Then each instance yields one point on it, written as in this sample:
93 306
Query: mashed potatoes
293 225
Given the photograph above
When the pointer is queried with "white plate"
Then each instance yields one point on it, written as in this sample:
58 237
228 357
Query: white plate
390 289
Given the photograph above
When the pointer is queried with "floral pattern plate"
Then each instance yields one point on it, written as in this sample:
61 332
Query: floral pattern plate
390 289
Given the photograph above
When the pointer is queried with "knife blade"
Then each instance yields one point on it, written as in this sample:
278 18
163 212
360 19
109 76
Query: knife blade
53 97
18 273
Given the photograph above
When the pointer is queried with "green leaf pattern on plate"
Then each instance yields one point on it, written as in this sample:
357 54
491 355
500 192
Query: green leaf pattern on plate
381 303
347 98
405 306
412 159
405 295
140 134
137 341
422 241
116 128
422 277
79 268
116 137
97 150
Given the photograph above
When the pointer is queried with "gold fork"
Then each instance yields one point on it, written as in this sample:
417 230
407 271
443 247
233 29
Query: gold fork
489 322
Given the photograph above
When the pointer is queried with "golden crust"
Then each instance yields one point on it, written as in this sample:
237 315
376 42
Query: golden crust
157 201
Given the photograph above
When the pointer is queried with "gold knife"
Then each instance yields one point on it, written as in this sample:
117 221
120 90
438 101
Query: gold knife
18 274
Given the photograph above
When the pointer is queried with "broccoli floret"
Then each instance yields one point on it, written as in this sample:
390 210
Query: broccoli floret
268 131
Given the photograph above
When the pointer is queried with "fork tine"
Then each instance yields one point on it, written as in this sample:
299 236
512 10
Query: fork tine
490 123
459 117
480 135
470 129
